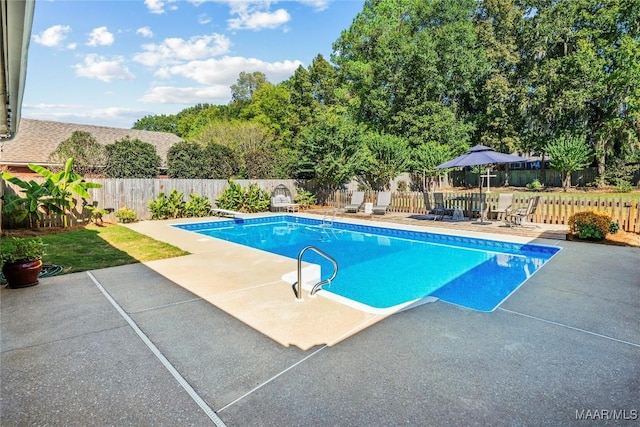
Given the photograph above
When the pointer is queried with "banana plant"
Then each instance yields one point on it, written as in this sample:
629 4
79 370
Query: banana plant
53 196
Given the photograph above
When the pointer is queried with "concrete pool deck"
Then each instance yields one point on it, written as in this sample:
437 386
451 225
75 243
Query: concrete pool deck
566 344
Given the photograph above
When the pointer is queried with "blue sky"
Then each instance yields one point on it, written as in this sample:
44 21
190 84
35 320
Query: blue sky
110 63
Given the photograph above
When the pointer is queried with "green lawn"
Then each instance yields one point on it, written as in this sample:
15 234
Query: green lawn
96 247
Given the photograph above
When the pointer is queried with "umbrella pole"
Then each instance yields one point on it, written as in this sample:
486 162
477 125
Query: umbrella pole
481 221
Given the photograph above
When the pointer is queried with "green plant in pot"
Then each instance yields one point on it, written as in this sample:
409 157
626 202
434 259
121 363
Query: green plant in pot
22 262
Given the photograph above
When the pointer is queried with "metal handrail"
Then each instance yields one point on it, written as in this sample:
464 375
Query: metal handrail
297 286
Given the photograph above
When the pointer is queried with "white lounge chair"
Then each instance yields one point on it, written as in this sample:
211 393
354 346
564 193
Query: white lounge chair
505 200
357 199
382 203
520 217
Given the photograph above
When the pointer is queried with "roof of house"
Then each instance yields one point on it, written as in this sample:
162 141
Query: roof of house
37 139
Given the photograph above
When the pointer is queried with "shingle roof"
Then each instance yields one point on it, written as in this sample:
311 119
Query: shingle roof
39 138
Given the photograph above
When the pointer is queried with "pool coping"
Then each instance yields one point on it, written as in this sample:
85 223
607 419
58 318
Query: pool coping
257 276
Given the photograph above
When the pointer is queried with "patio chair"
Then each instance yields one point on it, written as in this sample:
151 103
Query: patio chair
505 200
382 203
436 208
438 200
357 199
520 217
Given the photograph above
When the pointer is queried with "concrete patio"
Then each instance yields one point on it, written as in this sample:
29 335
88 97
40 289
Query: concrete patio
129 346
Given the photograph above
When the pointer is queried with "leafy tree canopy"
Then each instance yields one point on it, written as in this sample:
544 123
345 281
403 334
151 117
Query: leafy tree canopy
132 158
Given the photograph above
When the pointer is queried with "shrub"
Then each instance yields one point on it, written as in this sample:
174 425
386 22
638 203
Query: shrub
21 250
174 206
197 206
535 185
131 158
126 215
624 186
591 225
236 198
305 199
163 207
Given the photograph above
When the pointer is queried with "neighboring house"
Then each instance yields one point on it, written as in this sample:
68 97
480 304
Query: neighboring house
37 139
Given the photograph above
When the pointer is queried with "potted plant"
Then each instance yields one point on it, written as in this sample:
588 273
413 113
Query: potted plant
22 262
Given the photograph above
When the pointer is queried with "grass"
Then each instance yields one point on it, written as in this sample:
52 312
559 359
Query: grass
94 247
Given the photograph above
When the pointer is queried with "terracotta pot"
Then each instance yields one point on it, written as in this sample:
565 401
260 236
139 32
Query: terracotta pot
22 274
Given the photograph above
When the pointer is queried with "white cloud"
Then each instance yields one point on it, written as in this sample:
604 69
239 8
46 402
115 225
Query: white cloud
176 49
100 37
203 19
159 6
99 68
318 5
73 113
215 94
53 36
155 6
259 20
256 16
145 32
225 70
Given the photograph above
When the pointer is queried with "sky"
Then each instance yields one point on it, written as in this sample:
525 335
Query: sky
110 63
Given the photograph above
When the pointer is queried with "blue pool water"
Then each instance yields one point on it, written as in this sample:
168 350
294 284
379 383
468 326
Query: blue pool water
383 267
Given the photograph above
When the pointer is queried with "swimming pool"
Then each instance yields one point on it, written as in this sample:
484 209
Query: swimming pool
383 267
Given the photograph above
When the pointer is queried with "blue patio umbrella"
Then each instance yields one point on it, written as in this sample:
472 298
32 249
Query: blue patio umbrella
481 155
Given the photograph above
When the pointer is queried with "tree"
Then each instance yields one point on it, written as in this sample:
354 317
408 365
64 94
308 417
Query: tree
186 160
498 119
330 151
583 72
157 123
569 154
386 156
270 108
88 154
220 162
247 84
240 137
132 158
425 158
412 63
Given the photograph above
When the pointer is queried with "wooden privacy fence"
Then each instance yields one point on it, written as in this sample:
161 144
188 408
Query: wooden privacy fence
135 194
552 209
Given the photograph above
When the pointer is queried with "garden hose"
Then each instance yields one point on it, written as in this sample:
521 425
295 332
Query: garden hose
48 270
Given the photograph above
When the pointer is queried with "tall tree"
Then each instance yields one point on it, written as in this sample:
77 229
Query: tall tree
569 153
583 72
330 151
247 84
412 63
385 157
88 154
497 100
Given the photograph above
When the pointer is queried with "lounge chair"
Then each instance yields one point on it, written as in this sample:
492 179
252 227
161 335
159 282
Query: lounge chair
438 201
520 217
435 209
357 199
505 200
382 203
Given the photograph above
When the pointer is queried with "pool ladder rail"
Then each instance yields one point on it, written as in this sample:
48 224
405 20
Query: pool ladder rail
297 286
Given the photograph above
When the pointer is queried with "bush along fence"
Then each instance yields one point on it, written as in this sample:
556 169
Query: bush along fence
552 208
135 194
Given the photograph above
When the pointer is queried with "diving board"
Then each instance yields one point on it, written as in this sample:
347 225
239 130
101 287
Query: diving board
225 212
